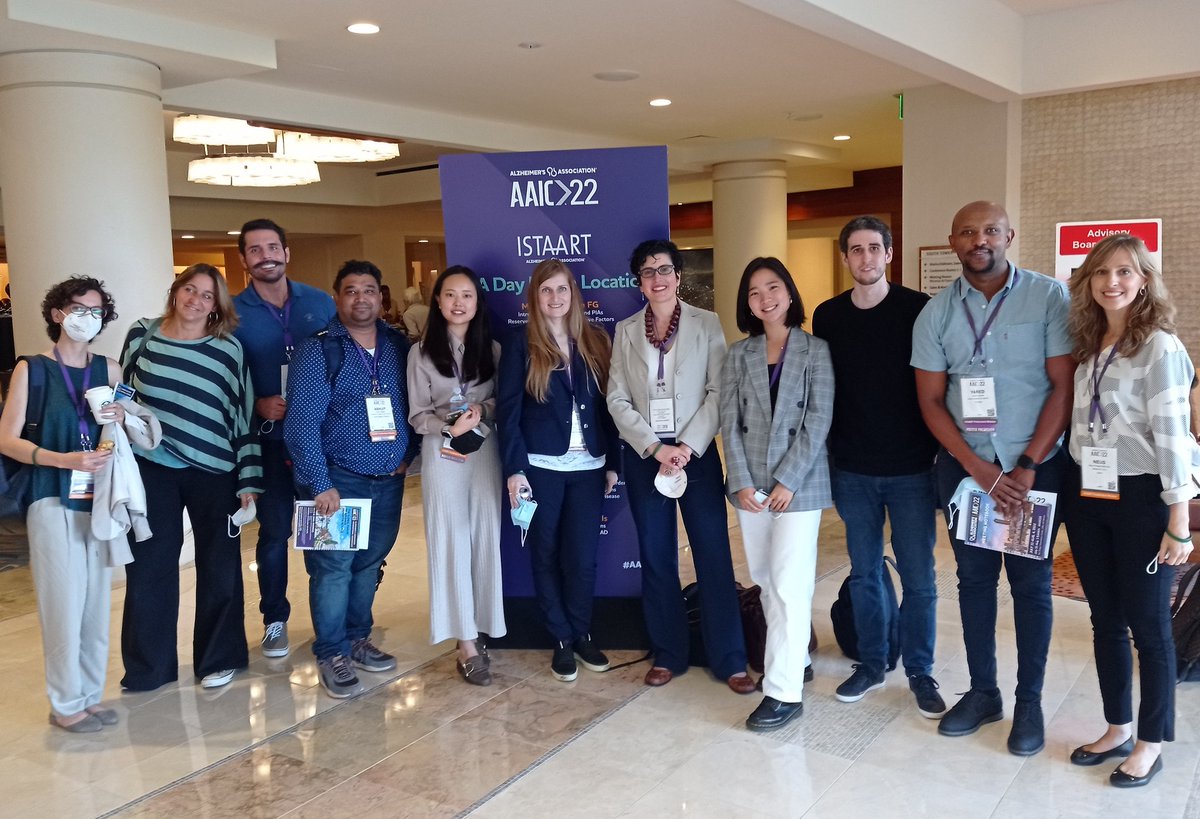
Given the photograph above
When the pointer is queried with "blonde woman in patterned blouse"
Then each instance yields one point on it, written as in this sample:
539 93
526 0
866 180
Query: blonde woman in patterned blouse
1127 512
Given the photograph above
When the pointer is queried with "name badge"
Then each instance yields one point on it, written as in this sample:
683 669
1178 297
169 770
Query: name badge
83 485
979 404
1099 473
381 421
662 415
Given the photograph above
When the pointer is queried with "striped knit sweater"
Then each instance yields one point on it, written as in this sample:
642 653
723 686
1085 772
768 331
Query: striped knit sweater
201 392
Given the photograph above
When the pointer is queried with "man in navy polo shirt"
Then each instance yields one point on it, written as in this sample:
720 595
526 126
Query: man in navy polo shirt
275 314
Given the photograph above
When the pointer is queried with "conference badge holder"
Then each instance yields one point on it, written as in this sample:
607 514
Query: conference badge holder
1099 478
979 404
381 421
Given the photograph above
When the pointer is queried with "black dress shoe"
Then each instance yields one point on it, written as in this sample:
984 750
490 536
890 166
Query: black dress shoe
771 713
1081 757
1028 735
1120 779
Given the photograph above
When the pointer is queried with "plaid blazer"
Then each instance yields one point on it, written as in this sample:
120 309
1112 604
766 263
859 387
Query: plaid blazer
787 445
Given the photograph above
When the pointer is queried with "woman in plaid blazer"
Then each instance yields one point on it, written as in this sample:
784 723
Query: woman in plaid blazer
776 409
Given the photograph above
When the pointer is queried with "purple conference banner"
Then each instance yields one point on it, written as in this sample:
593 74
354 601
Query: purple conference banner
505 213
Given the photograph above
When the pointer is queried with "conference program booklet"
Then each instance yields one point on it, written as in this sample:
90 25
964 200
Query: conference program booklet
347 529
1027 534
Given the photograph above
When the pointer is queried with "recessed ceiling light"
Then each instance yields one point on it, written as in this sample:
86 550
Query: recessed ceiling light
187 236
678 203
841 137
661 102
616 76
529 45
422 241
233 233
362 28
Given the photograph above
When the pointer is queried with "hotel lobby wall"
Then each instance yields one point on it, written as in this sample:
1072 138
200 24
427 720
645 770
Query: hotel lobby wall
1115 154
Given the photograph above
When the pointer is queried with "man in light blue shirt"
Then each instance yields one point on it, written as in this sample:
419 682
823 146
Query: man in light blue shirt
994 382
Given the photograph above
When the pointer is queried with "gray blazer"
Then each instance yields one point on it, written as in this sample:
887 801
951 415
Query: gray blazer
788 446
699 352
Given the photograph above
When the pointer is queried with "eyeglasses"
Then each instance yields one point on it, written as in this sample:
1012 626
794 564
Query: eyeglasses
81 310
651 272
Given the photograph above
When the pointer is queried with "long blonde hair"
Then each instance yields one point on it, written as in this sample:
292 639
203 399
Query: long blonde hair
1151 311
544 355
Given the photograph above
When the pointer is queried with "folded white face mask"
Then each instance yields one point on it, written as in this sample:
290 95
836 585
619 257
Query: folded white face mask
673 485
240 518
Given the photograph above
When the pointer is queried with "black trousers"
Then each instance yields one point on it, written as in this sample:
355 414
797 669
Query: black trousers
148 642
562 544
1113 542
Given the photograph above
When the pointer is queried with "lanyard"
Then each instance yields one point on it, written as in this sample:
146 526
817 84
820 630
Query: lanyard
289 343
979 335
462 384
663 346
371 362
1098 376
81 407
778 368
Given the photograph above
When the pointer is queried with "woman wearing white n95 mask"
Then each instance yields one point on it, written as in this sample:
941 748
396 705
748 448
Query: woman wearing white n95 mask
71 568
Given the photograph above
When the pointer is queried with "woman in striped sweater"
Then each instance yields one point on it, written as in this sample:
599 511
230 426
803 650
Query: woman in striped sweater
189 369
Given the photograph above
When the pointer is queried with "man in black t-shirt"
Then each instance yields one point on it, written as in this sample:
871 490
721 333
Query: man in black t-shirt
882 456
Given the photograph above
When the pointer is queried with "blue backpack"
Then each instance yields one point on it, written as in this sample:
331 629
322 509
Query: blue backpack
16 478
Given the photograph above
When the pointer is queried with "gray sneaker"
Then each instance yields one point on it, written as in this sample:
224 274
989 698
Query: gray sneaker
337 677
369 658
275 640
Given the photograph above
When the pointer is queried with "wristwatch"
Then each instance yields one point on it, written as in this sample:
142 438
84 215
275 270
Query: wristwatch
1025 462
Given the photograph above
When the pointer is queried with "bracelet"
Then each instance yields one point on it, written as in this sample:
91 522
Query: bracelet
997 483
654 451
34 456
1177 539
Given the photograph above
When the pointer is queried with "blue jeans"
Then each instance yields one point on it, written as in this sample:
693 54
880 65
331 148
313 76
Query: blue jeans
274 528
910 503
341 585
1028 579
703 510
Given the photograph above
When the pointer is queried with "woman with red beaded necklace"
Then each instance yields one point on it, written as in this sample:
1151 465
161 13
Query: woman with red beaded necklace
663 394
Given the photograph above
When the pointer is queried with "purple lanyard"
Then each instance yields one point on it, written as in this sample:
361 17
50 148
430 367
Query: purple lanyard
371 362
662 354
284 320
977 352
81 408
1098 376
462 384
778 368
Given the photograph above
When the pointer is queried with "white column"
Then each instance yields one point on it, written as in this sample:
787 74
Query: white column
84 180
749 220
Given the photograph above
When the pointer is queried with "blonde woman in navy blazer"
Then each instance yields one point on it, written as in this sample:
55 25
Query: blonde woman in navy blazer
776 410
558 443
672 353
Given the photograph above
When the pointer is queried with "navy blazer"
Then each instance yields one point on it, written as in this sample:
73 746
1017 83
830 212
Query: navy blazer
526 426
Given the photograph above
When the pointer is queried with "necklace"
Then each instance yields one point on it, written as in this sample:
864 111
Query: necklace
662 344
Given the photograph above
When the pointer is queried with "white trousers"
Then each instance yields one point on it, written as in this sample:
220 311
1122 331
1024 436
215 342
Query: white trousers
782 555
73 585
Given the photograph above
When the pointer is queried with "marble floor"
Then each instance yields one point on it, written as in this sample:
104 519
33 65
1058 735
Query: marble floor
421 743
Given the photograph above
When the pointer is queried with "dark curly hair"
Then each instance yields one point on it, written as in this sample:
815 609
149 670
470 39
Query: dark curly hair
61 294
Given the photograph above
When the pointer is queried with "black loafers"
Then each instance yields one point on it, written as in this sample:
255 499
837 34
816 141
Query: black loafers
1120 779
771 713
1087 758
